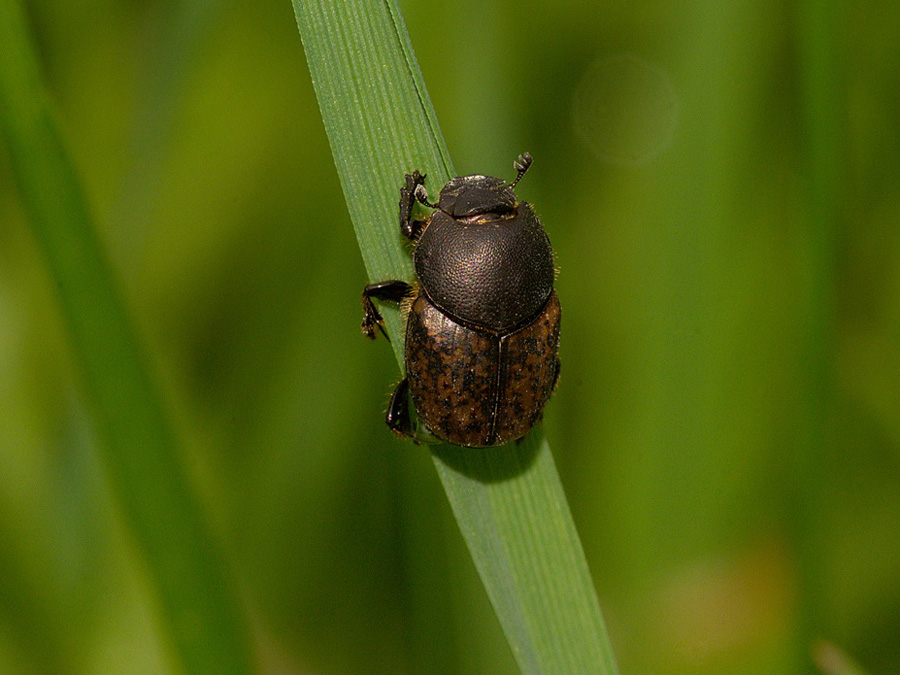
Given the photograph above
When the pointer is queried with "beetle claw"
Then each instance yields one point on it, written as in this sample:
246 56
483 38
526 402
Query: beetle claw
372 319
394 291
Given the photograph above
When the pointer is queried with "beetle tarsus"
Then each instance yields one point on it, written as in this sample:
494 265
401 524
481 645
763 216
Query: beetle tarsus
372 319
393 291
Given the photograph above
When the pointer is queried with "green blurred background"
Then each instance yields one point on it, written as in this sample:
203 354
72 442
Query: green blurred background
720 184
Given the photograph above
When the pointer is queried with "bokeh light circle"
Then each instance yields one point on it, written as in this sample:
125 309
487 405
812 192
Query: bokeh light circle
625 109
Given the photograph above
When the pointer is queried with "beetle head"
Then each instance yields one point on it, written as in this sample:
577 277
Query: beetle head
476 195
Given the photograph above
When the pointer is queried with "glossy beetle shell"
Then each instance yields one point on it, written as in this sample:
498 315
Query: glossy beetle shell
494 274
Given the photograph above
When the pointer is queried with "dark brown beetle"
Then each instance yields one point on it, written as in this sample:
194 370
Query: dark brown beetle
482 327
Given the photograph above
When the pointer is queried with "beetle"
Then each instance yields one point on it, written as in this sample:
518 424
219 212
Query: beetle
482 317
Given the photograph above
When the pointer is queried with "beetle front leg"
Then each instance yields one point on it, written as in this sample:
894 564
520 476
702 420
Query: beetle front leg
413 191
397 416
393 290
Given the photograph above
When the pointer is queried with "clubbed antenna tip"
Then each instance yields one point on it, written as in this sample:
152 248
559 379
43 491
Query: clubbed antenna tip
521 165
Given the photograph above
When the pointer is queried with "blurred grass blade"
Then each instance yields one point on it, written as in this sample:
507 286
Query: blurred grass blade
200 611
508 501
821 79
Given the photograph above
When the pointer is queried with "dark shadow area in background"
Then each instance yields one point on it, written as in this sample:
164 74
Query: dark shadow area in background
492 465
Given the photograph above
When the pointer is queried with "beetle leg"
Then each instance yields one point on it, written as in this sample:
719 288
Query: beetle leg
397 416
411 193
392 290
555 376
411 229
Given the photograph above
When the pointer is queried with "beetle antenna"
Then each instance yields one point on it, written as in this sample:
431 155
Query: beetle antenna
521 165
421 195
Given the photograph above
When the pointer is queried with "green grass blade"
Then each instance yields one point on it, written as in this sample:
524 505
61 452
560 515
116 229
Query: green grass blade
511 508
821 79
198 602
508 501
